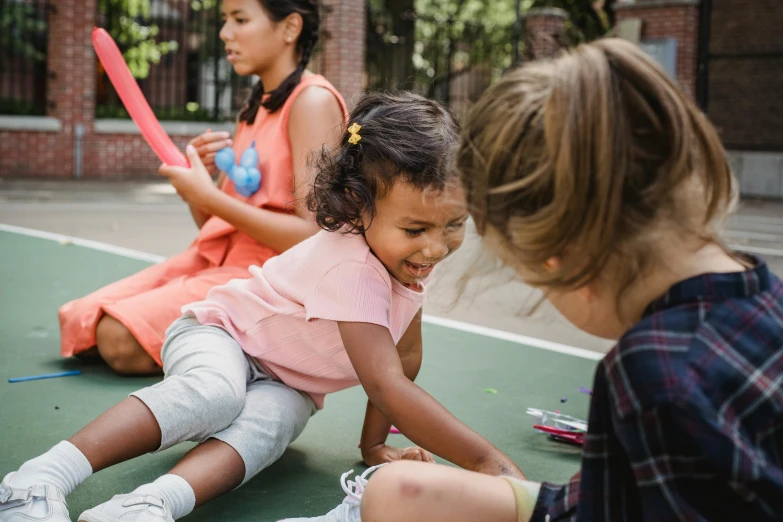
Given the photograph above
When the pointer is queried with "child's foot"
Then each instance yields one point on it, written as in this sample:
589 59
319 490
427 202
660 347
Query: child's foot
348 511
38 502
129 508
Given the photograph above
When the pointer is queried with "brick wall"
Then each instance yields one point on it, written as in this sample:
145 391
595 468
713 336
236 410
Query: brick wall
30 154
344 47
670 18
544 32
126 155
745 72
70 96
71 99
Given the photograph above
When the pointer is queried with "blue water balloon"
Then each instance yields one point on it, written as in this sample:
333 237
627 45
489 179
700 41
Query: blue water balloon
246 176
225 158
239 176
253 176
249 158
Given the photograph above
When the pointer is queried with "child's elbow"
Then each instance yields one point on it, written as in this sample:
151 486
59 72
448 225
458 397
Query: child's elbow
383 391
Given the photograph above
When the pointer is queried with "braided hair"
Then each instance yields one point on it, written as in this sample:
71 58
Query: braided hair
278 10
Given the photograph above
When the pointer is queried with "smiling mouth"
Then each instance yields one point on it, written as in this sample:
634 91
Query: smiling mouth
419 269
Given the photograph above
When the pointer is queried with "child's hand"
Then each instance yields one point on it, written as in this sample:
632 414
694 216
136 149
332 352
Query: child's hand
208 144
194 184
385 453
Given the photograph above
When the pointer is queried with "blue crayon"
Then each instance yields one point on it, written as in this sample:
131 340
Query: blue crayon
45 376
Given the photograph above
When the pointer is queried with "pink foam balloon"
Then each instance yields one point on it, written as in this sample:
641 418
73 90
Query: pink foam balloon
134 101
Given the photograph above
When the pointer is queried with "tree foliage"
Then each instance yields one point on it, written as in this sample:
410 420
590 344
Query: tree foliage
130 24
450 36
22 33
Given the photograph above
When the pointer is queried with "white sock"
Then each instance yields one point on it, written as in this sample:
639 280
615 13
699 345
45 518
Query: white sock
63 466
175 490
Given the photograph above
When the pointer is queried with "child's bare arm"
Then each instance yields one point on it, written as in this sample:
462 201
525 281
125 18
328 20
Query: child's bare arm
417 414
378 452
376 426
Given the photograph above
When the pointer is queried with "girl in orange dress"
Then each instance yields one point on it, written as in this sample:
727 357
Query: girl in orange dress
290 113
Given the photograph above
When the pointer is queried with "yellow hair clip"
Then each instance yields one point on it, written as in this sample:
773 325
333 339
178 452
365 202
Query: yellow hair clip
354 130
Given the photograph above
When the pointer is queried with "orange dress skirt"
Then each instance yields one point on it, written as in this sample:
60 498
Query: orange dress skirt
147 302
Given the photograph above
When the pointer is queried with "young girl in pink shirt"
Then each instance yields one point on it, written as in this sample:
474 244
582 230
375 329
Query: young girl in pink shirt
247 367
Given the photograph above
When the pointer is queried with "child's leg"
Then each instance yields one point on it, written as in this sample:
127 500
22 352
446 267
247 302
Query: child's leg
205 385
211 468
273 416
117 345
420 492
125 431
204 390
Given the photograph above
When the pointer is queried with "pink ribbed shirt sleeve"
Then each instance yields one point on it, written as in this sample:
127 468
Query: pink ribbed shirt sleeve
351 292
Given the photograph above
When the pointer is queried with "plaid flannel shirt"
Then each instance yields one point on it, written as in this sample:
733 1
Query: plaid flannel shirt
686 417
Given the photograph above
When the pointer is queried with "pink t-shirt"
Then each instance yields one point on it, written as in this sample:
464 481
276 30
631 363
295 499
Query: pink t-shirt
286 315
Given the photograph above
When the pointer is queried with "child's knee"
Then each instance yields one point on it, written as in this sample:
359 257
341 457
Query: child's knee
390 486
223 396
120 349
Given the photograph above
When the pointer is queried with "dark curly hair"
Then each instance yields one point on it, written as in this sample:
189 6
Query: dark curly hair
278 10
404 136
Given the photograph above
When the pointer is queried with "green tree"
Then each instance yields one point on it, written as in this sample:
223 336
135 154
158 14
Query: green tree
22 33
23 43
421 43
486 26
130 24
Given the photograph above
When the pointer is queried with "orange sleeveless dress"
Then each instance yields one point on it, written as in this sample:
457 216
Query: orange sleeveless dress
146 303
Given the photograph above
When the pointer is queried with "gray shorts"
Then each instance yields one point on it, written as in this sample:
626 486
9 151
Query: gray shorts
211 389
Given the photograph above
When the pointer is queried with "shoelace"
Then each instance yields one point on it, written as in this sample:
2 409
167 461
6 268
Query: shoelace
355 489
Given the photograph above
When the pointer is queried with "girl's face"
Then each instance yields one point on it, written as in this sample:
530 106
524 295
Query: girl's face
253 41
413 230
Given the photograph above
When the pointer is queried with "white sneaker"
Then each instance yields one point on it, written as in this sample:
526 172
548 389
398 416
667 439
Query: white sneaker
349 510
38 502
129 508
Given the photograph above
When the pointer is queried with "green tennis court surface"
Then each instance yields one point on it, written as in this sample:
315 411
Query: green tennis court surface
38 275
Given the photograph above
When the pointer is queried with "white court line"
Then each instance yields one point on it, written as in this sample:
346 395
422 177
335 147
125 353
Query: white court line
87 243
431 319
514 338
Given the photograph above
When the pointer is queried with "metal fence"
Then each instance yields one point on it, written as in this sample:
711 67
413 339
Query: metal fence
174 50
442 58
454 57
23 42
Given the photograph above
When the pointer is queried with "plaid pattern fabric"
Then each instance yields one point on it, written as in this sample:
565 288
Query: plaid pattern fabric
686 417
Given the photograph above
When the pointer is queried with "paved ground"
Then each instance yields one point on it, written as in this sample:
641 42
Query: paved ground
37 275
150 217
